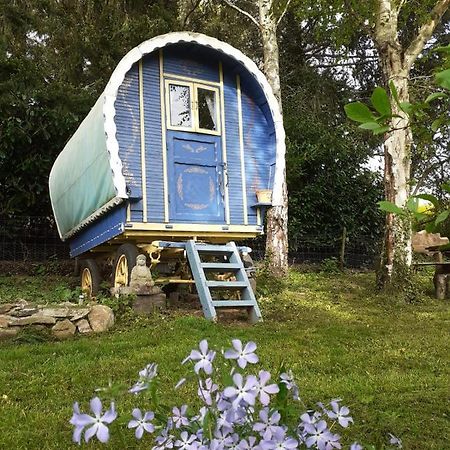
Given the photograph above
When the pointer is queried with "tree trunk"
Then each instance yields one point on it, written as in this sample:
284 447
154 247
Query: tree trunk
277 216
397 253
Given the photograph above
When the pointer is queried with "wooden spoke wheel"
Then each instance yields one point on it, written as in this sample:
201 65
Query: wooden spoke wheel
90 277
125 261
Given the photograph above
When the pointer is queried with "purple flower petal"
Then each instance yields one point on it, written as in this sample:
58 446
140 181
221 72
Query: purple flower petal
96 406
102 433
90 432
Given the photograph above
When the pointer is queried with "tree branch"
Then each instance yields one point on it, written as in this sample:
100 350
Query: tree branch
245 13
425 32
427 171
284 12
190 12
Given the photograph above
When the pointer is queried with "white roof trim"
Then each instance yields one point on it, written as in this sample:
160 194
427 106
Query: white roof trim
110 94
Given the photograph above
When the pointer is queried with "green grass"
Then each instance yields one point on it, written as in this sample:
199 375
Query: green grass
387 359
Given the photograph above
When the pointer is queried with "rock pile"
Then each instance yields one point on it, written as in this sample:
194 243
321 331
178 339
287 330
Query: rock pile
64 319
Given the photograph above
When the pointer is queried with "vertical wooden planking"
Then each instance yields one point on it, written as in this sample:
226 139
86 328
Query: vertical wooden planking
142 124
224 144
163 130
241 150
153 139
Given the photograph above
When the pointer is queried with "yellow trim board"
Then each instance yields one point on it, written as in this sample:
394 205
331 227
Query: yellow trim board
194 80
163 136
224 145
142 124
241 150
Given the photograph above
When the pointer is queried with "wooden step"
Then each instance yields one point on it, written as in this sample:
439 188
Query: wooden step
214 249
225 267
227 284
233 303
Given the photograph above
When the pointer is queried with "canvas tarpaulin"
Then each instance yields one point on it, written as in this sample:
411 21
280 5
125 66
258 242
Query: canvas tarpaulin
81 180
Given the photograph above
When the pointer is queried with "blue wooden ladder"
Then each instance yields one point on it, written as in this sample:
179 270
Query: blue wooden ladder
233 264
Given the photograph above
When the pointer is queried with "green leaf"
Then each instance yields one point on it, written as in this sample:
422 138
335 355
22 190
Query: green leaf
443 79
437 124
442 217
381 130
381 102
369 126
430 227
434 96
446 186
412 204
390 207
407 107
394 92
430 198
359 112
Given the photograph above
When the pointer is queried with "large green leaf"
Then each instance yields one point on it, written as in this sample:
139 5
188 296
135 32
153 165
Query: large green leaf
359 112
442 217
435 96
380 101
390 207
369 126
443 79
429 198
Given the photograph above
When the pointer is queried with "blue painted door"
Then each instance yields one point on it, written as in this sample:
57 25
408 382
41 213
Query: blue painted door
195 177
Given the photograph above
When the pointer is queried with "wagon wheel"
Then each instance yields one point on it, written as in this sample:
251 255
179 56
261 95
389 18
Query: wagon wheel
90 277
125 261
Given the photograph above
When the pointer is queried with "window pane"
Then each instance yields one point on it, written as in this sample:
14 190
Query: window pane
180 105
207 109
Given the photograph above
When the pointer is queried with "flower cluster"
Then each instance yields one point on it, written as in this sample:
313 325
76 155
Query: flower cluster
249 411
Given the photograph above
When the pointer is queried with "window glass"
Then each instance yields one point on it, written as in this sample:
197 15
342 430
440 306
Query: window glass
180 105
207 109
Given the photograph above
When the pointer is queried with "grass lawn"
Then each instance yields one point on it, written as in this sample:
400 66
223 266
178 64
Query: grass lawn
388 360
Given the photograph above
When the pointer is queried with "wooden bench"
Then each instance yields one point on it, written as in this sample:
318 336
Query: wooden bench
441 274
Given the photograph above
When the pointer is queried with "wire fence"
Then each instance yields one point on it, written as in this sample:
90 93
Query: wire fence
36 239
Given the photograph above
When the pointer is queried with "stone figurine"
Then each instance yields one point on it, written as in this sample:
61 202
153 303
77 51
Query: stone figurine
141 277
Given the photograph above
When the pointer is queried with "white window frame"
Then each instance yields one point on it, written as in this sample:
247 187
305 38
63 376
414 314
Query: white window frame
193 90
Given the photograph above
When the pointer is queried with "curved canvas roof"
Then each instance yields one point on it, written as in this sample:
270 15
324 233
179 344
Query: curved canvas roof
98 133
159 42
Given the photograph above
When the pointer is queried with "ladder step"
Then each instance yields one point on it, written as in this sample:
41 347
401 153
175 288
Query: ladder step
232 303
227 284
214 249
230 267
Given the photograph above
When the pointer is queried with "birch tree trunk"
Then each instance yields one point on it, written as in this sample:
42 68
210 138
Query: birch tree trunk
396 63
277 216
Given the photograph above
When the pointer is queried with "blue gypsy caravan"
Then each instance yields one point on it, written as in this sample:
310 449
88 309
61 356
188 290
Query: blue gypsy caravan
170 162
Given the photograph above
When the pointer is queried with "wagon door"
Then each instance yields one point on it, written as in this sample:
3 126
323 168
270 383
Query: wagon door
195 168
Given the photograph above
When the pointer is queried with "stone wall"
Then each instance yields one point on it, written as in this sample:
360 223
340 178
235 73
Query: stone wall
63 320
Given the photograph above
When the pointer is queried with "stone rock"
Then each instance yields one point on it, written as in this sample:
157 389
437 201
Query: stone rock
23 312
55 312
64 329
6 333
147 304
79 313
31 320
4 321
5 308
101 318
83 326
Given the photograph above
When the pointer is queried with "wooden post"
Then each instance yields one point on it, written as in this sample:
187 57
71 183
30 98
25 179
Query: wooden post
342 252
440 277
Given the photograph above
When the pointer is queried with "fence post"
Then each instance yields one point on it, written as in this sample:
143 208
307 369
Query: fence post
342 252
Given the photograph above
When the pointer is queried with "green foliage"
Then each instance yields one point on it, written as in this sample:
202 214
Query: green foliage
330 265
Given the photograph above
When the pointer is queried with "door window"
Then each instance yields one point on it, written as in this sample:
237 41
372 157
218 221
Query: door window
192 107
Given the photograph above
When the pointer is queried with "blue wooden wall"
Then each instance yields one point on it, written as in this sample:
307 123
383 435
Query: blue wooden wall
201 63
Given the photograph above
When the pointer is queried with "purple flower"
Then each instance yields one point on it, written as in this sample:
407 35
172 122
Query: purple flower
262 390
244 392
221 440
318 434
141 423
179 416
203 358
339 414
279 441
287 378
205 391
164 440
249 444
187 442
269 424
243 355
146 375
97 422
394 440
356 446
332 441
